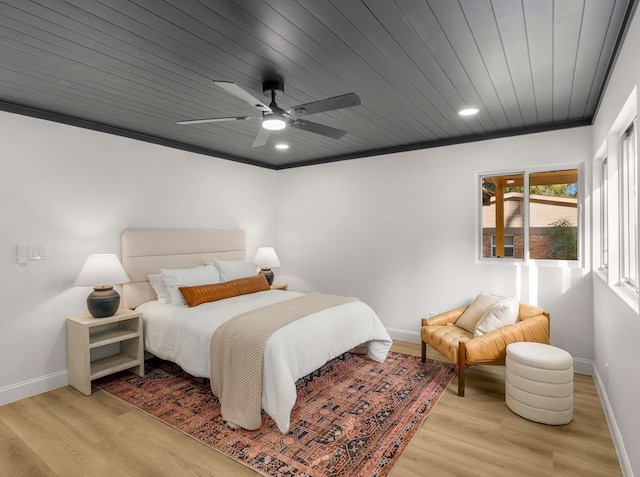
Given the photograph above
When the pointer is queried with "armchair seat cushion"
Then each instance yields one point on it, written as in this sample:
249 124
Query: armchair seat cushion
445 339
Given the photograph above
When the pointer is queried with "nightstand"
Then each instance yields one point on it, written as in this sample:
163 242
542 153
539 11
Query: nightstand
86 334
279 286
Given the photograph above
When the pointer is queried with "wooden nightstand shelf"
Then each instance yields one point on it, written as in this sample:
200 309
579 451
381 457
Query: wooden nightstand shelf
86 333
279 286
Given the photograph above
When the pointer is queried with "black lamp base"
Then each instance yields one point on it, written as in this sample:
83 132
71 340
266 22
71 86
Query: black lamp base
103 302
268 274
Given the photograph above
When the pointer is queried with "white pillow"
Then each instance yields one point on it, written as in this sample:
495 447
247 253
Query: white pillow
476 311
158 285
188 277
503 313
234 269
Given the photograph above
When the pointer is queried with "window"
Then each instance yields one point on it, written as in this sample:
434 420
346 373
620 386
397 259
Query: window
629 209
509 246
531 215
604 213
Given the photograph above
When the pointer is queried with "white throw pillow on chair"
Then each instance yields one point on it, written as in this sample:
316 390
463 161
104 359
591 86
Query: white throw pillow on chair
503 313
476 311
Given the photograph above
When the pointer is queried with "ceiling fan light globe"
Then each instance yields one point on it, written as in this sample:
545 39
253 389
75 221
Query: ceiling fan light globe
273 124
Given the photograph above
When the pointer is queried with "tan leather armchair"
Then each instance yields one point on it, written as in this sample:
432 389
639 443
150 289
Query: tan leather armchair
463 349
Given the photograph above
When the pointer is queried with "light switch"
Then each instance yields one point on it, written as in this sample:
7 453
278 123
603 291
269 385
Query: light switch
37 252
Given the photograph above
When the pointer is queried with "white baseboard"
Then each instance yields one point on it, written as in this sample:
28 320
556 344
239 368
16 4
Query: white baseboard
404 335
25 389
583 366
618 443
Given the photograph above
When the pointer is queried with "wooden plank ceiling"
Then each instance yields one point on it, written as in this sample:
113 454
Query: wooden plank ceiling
134 67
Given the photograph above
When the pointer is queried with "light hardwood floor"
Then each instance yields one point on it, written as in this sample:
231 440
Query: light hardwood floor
64 433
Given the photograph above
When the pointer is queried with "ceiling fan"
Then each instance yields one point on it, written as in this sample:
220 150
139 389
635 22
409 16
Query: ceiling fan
275 118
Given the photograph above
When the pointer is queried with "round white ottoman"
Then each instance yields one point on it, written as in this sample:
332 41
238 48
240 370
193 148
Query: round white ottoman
539 383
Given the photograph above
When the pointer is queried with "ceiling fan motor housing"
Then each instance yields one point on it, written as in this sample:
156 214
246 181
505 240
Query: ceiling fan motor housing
270 85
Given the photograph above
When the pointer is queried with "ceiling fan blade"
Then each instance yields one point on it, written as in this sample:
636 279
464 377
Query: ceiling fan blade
261 138
329 104
216 120
238 92
317 128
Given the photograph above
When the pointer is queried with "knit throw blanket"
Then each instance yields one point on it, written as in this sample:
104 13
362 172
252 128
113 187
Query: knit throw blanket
237 352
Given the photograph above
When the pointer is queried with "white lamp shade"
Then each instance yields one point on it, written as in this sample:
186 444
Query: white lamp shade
101 270
266 258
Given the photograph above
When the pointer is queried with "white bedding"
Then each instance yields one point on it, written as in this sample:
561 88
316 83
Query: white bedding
183 335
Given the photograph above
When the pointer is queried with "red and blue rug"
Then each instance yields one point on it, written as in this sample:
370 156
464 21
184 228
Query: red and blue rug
353 417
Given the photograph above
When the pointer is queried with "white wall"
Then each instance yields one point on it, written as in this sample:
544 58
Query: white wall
76 191
617 324
399 231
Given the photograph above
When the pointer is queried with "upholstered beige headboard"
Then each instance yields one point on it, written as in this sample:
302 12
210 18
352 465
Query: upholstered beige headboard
146 251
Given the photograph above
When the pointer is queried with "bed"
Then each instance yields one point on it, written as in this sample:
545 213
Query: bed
183 334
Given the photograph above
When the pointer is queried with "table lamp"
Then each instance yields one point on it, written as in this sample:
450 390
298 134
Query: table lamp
266 259
102 271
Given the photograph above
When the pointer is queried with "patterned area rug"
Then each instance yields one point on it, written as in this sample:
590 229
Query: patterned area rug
353 417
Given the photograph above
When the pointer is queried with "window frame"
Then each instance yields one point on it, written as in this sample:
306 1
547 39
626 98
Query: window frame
579 262
612 148
604 213
628 209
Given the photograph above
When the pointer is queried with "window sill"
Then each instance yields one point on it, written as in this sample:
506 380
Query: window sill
629 296
532 263
624 292
602 273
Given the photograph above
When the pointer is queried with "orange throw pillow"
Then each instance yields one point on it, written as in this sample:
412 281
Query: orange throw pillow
252 284
197 295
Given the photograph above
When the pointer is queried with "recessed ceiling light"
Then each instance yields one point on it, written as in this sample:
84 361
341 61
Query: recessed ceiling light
468 111
282 146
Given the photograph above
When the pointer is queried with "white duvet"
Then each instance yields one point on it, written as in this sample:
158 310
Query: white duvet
183 335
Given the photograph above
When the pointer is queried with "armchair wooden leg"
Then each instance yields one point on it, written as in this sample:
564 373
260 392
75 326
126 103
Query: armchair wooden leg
461 380
424 352
461 367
